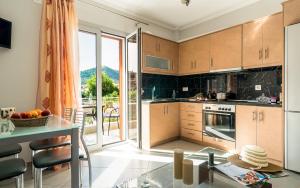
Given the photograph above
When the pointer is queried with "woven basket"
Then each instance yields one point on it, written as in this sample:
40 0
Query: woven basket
33 122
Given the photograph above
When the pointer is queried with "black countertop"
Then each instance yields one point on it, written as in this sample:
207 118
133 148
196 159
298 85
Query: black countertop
211 102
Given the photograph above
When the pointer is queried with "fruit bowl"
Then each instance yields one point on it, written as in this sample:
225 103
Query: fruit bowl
31 122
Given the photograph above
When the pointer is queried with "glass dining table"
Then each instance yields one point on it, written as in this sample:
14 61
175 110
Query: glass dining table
55 127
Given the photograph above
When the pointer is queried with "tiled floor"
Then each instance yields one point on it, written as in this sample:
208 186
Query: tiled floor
120 162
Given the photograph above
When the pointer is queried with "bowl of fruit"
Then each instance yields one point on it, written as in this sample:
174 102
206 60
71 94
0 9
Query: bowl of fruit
34 118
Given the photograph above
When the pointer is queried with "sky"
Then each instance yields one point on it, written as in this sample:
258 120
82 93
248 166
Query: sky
87 51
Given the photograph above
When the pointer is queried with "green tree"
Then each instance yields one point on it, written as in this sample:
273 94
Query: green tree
108 86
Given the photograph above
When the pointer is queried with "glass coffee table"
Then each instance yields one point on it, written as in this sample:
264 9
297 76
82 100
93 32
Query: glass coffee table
203 176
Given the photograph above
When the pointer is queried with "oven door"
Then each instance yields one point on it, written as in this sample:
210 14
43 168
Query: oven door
219 124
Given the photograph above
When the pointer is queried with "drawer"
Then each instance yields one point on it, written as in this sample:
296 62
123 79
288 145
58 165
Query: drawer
191 134
191 107
191 116
194 125
220 143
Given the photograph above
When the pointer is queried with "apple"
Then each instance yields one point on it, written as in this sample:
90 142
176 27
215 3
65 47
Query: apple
15 116
45 113
24 115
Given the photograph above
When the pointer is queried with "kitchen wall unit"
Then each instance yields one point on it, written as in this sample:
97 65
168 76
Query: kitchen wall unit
262 126
226 49
263 42
191 121
160 123
194 56
291 13
159 56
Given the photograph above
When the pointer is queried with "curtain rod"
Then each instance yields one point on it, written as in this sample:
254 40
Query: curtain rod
111 11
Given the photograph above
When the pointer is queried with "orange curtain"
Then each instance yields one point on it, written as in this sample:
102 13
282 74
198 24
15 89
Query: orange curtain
58 85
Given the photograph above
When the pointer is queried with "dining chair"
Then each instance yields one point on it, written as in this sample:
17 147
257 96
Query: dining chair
46 144
13 168
112 113
49 158
9 150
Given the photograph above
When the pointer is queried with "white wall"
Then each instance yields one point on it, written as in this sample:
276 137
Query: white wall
19 65
257 10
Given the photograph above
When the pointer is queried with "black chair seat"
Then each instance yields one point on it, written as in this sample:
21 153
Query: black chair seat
49 158
48 144
9 150
12 168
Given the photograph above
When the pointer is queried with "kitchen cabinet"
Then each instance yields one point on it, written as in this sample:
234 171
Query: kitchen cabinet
159 56
160 123
263 42
218 143
226 49
291 13
191 121
194 56
262 126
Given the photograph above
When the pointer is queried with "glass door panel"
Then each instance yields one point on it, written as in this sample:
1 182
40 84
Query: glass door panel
133 87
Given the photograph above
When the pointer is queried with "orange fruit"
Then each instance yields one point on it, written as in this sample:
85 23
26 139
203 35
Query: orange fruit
34 114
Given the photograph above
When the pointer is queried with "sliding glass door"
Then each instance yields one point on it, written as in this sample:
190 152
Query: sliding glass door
133 87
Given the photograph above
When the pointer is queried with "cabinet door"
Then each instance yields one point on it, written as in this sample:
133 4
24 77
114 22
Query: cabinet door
174 57
172 120
157 123
252 44
202 54
246 118
226 49
270 132
185 58
273 37
149 44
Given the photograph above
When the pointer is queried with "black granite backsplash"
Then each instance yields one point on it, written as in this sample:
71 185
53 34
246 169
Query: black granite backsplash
240 84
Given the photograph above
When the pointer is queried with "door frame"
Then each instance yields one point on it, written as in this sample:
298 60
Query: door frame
138 143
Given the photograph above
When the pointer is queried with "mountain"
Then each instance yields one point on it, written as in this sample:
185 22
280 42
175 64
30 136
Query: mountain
86 74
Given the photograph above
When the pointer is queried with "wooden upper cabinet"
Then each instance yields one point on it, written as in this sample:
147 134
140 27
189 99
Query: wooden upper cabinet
273 40
160 56
246 117
263 42
252 44
270 132
226 49
194 56
185 58
149 44
202 54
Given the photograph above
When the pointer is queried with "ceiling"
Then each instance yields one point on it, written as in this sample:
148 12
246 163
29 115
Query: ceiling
173 14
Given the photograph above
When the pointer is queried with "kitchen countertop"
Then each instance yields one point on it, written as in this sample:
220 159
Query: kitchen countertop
211 102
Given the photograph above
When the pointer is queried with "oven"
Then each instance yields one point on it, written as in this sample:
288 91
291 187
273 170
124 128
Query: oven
219 121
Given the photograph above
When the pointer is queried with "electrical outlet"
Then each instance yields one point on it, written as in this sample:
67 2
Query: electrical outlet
7 112
257 87
185 88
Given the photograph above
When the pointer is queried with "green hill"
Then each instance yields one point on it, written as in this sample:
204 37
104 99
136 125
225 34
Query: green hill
86 74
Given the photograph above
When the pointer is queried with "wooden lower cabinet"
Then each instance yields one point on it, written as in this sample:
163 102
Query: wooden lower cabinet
245 126
262 126
191 135
160 123
270 133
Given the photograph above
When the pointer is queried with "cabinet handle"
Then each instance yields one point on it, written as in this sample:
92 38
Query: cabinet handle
191 115
191 124
260 54
191 134
211 62
254 113
164 110
260 116
167 109
159 47
195 64
268 52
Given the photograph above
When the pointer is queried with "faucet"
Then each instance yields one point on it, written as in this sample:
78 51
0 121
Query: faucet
153 93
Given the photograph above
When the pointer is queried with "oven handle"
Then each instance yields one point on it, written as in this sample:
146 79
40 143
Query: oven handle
218 113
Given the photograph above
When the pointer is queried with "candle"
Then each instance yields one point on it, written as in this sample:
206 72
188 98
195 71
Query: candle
187 171
178 158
